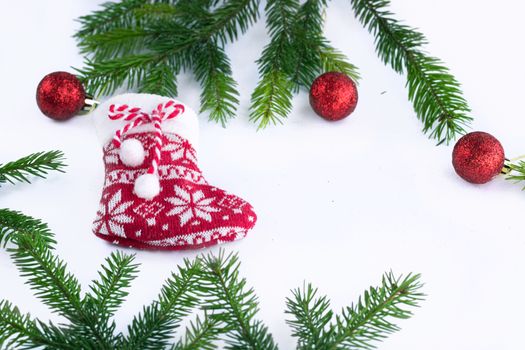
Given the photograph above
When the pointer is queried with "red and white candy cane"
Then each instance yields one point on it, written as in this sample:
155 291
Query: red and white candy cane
136 117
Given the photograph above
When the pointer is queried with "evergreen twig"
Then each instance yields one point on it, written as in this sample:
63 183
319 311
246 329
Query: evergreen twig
333 60
311 318
306 42
144 44
48 277
516 171
19 331
16 329
297 53
46 273
36 164
359 326
211 283
111 15
14 223
200 335
272 97
152 327
229 301
115 277
371 318
219 94
435 93
150 55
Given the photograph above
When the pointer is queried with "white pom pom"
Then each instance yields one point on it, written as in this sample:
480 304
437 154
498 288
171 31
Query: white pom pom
132 152
147 186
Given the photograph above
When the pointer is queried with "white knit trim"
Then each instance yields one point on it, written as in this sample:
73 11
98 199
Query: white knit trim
186 125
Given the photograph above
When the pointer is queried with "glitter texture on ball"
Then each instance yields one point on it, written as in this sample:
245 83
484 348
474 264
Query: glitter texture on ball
478 157
333 96
60 95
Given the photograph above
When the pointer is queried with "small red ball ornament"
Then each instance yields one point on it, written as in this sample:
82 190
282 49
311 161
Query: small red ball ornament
60 95
478 157
333 96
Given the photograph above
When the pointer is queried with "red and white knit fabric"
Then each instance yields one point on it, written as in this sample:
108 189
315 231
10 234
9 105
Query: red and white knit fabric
188 212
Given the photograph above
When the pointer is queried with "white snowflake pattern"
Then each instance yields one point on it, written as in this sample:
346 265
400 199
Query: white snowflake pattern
180 149
111 216
188 205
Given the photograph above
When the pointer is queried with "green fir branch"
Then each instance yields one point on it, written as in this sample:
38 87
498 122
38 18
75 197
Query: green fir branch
219 94
359 326
155 35
105 77
47 275
115 277
434 92
313 52
18 330
151 329
200 335
311 317
306 42
144 44
36 164
145 55
63 337
230 302
112 15
115 43
271 100
211 283
371 319
332 60
516 171
158 11
231 20
161 80
13 224
297 53
151 70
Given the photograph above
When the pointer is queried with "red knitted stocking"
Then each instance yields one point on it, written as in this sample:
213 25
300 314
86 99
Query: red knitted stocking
186 212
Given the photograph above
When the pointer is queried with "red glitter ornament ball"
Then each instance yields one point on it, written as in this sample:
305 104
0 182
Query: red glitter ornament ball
333 96
60 95
478 157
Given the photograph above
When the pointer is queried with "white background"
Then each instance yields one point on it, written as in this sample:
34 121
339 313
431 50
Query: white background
338 203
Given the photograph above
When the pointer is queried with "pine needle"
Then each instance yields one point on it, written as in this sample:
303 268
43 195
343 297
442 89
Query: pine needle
434 92
359 326
231 303
144 44
211 283
272 97
110 290
36 164
219 91
200 335
151 329
371 319
16 329
517 171
311 317
333 60
13 224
